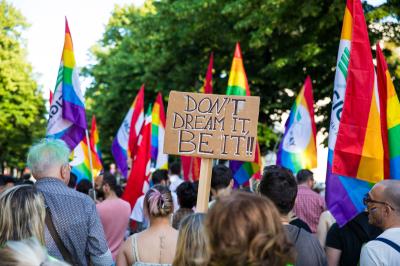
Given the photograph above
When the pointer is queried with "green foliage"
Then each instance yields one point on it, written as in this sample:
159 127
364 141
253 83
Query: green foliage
166 45
21 104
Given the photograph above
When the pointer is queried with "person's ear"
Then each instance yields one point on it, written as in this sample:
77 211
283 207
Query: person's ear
65 171
231 183
387 210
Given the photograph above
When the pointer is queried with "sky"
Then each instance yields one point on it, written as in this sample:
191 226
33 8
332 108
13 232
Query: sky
87 20
45 36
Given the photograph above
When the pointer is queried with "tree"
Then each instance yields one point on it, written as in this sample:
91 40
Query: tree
21 104
166 45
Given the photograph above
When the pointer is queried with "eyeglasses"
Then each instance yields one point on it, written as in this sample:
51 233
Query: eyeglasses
367 199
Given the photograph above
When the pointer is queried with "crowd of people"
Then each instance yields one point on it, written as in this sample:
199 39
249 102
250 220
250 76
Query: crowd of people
53 221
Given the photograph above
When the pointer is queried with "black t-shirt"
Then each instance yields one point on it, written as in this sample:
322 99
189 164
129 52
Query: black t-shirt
350 238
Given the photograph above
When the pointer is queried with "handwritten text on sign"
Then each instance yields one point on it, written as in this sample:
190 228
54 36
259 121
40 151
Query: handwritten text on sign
212 126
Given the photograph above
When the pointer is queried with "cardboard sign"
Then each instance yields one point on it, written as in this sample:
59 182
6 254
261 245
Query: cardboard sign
212 126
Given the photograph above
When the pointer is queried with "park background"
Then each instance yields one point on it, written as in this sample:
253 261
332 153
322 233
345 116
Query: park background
166 44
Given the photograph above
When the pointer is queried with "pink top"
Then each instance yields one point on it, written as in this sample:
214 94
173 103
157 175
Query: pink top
114 215
308 206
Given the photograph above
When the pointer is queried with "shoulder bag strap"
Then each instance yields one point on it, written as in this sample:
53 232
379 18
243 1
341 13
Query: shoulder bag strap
57 240
390 243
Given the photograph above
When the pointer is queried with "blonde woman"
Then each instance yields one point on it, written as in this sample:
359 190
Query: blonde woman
156 245
192 243
245 229
22 214
27 252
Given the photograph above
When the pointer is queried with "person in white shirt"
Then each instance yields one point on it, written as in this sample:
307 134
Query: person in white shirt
174 177
383 204
159 177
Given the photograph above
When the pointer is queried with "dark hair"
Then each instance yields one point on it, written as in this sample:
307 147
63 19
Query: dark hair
159 175
111 181
187 195
9 179
304 175
84 186
175 168
221 177
72 180
24 182
2 183
26 176
279 185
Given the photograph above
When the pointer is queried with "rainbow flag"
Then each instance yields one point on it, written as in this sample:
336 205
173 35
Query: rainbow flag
297 149
238 85
125 143
159 160
390 116
355 154
81 163
67 118
94 139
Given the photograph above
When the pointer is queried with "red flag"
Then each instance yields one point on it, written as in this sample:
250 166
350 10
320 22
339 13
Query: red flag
139 175
136 123
191 168
191 165
207 87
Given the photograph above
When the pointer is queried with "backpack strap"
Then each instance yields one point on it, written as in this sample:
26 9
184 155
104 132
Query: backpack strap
57 240
389 242
298 233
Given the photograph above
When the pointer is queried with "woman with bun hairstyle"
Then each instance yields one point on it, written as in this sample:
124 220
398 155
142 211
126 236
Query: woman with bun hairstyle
156 245
245 229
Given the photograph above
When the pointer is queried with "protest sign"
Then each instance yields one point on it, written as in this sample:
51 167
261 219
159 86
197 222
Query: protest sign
211 126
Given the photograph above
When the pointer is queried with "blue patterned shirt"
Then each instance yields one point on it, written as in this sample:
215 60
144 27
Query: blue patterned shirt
76 220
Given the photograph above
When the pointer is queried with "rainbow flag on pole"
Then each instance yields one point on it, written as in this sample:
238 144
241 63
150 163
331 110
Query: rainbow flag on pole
67 118
297 149
355 154
94 139
390 115
125 143
159 160
238 85
81 163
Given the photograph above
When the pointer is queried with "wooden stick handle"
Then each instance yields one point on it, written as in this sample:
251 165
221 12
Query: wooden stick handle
204 185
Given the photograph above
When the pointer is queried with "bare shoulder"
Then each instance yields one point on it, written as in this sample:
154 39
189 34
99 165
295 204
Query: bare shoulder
125 255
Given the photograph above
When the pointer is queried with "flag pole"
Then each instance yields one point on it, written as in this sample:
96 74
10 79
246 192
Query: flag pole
91 163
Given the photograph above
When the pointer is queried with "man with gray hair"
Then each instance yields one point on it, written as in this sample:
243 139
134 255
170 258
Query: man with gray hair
383 204
73 228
